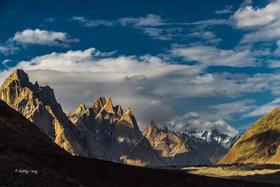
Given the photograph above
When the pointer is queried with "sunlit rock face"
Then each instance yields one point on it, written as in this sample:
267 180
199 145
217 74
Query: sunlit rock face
39 105
260 144
116 131
172 147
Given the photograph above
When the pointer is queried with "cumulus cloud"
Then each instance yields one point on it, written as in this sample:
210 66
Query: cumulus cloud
250 17
212 56
43 37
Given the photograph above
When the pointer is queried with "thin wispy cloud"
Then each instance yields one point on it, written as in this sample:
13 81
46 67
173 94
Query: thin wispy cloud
92 23
226 10
211 56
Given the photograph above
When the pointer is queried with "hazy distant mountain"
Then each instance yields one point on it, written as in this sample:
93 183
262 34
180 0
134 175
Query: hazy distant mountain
260 144
172 148
212 139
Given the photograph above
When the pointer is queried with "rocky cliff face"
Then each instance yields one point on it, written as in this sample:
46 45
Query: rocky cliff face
116 131
39 105
260 144
173 148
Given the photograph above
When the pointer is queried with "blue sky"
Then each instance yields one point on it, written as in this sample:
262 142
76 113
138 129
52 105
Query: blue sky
172 61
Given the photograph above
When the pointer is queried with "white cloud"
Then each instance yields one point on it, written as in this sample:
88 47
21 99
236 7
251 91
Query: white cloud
264 109
6 50
162 33
149 20
249 17
208 23
92 23
6 62
211 56
208 37
43 37
270 32
274 63
228 110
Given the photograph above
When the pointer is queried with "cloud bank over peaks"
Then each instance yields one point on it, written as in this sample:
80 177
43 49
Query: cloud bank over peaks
194 121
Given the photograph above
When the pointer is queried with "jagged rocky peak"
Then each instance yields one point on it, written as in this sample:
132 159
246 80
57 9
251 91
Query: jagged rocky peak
38 104
18 75
118 110
82 108
151 129
128 119
101 102
15 85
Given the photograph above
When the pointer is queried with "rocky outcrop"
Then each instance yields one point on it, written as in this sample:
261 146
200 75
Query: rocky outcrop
260 144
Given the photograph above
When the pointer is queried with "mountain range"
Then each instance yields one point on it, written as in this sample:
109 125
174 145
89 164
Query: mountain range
31 158
104 131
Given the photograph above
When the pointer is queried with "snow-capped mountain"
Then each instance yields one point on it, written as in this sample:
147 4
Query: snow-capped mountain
212 139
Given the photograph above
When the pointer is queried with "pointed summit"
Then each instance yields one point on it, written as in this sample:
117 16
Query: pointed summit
108 107
128 119
81 109
20 75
